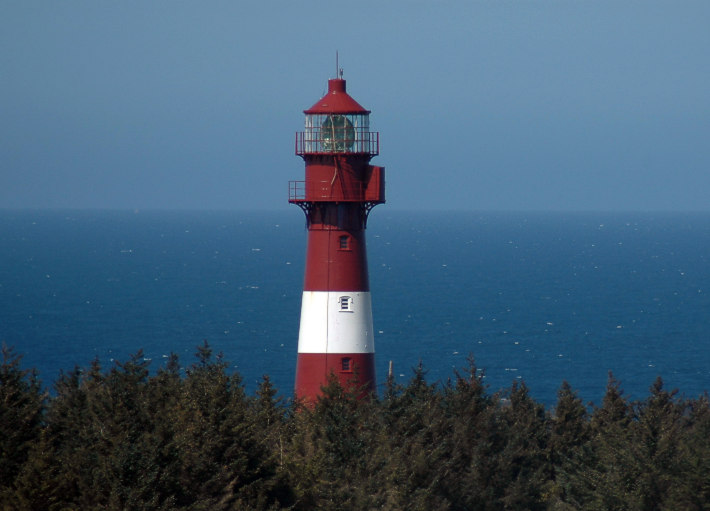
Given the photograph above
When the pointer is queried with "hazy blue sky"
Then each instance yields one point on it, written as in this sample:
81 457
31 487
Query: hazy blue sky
486 105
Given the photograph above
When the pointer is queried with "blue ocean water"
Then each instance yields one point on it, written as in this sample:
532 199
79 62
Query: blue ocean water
539 297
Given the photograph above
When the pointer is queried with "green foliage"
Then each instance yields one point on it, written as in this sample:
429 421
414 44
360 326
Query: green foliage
21 410
191 438
569 434
691 490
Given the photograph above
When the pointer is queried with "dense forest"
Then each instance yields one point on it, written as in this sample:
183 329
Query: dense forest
126 437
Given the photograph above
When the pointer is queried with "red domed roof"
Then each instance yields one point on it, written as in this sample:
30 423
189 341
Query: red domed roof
337 101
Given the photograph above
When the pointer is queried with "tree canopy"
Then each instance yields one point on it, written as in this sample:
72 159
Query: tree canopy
190 437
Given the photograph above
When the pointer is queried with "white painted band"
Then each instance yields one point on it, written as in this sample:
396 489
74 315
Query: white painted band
336 322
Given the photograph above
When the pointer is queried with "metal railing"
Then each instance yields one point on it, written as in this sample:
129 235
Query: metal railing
296 191
319 141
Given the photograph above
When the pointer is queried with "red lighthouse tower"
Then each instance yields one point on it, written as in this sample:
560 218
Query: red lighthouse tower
340 189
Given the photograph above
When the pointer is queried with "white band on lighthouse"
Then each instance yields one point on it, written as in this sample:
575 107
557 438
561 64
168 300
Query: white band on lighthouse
336 322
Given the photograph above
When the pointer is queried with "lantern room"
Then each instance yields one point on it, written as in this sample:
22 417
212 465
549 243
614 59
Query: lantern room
337 124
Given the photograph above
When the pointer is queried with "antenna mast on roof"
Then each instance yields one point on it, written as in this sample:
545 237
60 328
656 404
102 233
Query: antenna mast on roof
337 68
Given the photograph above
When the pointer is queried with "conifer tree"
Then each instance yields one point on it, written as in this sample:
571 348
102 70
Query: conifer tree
691 490
569 432
522 469
58 470
269 415
472 434
417 442
605 470
658 433
223 462
22 404
332 450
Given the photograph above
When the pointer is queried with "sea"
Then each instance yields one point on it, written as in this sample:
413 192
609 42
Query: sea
539 298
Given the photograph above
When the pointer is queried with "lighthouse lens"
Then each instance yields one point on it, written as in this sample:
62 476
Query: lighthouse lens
337 133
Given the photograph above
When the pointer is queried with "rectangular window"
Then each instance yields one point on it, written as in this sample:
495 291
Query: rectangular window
344 242
346 364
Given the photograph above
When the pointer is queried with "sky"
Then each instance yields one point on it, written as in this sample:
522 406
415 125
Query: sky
486 105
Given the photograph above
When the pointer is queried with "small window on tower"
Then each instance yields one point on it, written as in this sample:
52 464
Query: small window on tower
346 304
346 364
344 242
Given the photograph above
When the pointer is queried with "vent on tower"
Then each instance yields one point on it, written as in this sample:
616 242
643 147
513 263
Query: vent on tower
346 304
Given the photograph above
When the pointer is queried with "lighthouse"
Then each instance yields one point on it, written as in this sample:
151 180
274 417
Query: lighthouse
339 190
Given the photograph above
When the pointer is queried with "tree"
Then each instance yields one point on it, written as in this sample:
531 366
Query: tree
414 430
569 432
658 434
602 474
522 469
331 451
223 462
472 435
22 404
691 490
